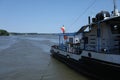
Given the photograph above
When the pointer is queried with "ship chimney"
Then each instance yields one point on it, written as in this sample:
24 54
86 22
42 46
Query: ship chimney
115 12
89 21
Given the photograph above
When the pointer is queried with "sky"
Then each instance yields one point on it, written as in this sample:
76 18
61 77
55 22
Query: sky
48 16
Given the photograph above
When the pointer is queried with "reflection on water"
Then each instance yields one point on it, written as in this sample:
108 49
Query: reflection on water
28 58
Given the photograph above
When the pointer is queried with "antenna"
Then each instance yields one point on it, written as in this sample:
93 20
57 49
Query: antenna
114 1
115 12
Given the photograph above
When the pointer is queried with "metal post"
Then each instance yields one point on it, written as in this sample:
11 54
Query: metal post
59 40
98 38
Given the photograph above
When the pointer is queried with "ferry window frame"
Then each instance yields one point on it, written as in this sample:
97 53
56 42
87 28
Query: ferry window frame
85 40
71 40
87 29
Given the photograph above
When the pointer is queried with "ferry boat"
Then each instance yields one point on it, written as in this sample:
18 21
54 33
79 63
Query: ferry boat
96 51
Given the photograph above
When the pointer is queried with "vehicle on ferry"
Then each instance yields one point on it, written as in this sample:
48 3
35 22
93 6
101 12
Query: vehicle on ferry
96 50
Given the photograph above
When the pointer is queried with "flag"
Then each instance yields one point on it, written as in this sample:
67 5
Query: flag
63 29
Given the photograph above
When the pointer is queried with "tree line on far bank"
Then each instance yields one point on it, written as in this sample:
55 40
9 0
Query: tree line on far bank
6 33
3 33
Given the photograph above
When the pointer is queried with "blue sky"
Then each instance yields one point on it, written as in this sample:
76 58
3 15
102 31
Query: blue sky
47 16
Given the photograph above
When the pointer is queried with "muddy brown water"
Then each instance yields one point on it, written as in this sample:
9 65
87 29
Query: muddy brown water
28 58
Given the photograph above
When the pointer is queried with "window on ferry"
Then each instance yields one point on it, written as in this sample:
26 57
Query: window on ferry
115 29
71 40
87 29
86 40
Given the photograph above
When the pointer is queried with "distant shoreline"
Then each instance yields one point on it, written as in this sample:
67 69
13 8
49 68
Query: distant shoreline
15 33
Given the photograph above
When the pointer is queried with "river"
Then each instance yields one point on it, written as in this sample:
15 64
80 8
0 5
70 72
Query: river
28 58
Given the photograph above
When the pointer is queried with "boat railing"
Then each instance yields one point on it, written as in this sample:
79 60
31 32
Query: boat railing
72 50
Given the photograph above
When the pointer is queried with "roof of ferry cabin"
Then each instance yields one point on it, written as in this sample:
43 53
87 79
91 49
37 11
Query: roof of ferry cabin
108 20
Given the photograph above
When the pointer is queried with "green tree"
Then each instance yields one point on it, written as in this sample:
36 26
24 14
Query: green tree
4 33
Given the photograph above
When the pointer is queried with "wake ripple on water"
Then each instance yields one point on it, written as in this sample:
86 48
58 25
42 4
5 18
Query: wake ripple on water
43 42
7 41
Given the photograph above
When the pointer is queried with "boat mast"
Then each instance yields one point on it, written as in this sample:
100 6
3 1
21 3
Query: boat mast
115 12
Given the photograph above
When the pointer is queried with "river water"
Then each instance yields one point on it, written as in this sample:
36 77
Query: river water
28 58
